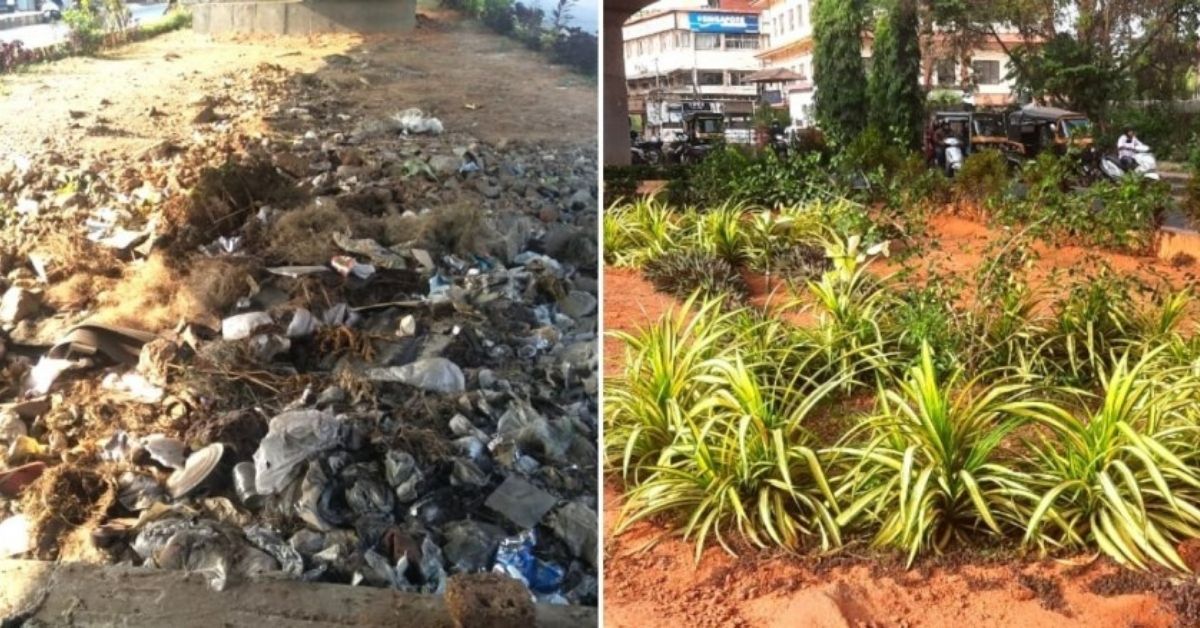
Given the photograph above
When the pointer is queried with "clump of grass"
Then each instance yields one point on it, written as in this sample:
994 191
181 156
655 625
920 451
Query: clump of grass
682 273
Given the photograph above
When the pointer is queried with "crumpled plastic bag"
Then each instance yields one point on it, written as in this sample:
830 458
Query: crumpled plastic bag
433 374
414 121
291 438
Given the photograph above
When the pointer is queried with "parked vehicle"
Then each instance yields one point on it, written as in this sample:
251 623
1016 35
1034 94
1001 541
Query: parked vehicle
51 11
702 131
646 151
951 136
1144 165
1049 128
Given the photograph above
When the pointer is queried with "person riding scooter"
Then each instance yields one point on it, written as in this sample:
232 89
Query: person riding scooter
1128 146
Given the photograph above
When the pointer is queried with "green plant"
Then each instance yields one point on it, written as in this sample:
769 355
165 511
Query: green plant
682 272
498 15
85 21
1125 479
638 231
648 408
930 473
746 462
1090 325
983 177
841 102
897 101
720 231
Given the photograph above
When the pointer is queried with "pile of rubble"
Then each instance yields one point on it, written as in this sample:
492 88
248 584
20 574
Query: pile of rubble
305 341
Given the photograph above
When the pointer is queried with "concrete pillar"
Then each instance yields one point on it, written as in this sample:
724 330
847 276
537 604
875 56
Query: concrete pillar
616 94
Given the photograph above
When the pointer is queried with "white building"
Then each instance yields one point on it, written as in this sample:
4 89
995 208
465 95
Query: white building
787 26
683 55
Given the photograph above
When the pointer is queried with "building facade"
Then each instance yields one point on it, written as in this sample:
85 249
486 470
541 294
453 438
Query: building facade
787 27
689 56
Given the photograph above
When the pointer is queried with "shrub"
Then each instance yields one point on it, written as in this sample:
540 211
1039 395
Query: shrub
983 177
577 49
730 174
930 473
742 460
1124 480
498 15
86 25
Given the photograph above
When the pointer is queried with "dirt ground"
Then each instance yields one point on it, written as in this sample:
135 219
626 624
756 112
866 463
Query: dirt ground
136 96
650 577
163 116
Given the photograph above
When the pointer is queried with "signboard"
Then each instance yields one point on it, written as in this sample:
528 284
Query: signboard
723 23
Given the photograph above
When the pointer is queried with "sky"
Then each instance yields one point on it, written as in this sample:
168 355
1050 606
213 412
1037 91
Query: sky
585 13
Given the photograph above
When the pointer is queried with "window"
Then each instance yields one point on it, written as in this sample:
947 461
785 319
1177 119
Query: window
662 42
945 73
683 39
792 20
986 72
708 41
741 42
801 12
739 78
710 78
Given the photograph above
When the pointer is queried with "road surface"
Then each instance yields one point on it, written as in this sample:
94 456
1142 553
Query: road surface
39 35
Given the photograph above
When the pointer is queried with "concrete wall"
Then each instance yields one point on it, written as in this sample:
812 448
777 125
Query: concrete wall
303 17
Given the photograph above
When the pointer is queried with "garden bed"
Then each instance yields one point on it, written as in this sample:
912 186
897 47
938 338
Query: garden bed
652 575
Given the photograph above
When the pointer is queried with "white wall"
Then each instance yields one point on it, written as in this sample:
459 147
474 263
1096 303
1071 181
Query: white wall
787 21
662 52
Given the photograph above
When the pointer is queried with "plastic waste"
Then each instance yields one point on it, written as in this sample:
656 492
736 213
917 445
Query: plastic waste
199 468
414 122
16 536
241 326
133 386
164 450
267 540
244 486
291 438
401 471
303 324
515 559
432 374
137 492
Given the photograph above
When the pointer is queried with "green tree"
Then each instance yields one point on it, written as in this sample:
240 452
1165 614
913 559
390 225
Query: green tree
841 100
897 102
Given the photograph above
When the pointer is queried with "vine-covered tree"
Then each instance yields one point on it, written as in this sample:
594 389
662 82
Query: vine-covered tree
897 103
1085 54
841 99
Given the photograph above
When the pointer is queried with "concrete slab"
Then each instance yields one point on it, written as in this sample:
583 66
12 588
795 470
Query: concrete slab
56 594
1173 242
303 17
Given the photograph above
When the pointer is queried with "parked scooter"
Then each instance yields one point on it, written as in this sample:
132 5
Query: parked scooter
1143 165
954 156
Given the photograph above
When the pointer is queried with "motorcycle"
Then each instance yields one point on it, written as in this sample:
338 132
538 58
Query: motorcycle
686 152
649 152
780 144
1142 165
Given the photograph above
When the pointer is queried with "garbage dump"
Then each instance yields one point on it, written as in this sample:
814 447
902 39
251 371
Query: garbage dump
346 347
